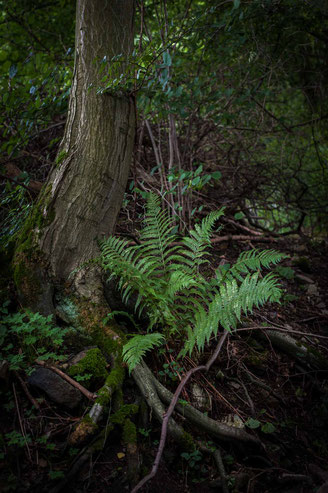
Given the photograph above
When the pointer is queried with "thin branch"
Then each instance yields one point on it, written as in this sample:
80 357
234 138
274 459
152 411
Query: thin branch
29 396
68 379
281 329
265 239
171 409
14 180
21 423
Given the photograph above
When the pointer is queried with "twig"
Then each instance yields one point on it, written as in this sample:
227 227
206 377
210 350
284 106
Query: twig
264 386
70 380
311 319
29 396
20 422
241 226
280 329
264 239
215 390
217 429
171 409
250 402
19 184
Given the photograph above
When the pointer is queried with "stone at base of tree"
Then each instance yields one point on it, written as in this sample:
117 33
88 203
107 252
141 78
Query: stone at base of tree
57 389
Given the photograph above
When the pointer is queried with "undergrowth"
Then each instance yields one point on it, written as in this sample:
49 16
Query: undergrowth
179 300
27 336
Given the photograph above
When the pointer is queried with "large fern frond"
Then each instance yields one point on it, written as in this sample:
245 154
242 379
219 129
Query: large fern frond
249 261
196 245
119 259
157 236
228 305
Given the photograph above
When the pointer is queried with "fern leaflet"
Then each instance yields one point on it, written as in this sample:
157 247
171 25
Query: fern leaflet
138 345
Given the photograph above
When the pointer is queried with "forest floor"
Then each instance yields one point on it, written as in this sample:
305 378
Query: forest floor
283 401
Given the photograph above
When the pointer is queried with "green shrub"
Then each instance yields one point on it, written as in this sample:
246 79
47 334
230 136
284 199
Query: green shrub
27 336
178 299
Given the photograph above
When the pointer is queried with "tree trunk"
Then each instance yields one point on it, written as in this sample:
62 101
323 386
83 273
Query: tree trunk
82 197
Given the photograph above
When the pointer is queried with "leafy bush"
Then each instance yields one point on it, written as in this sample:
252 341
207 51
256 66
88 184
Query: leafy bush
27 336
172 290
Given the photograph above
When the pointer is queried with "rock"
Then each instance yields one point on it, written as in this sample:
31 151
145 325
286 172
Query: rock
55 387
79 356
233 420
92 365
312 290
200 399
67 310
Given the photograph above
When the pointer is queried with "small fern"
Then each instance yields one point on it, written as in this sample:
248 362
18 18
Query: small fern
137 347
171 288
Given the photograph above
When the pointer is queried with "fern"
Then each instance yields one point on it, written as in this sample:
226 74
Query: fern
228 305
137 347
198 241
250 261
171 288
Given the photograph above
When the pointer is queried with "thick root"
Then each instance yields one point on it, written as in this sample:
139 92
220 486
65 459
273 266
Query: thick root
200 420
155 394
296 349
88 426
147 389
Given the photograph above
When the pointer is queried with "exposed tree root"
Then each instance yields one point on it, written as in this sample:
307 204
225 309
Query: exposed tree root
296 349
219 464
148 391
199 419
146 383
87 427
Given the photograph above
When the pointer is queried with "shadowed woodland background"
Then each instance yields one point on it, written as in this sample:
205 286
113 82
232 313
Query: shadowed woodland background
228 105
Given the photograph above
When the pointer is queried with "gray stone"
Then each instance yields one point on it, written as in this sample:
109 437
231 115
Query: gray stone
55 387
312 290
79 356
200 399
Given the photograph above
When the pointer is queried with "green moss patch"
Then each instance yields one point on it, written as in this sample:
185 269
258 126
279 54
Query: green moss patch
129 432
123 413
93 364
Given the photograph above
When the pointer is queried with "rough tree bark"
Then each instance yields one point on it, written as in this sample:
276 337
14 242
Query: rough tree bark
84 191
